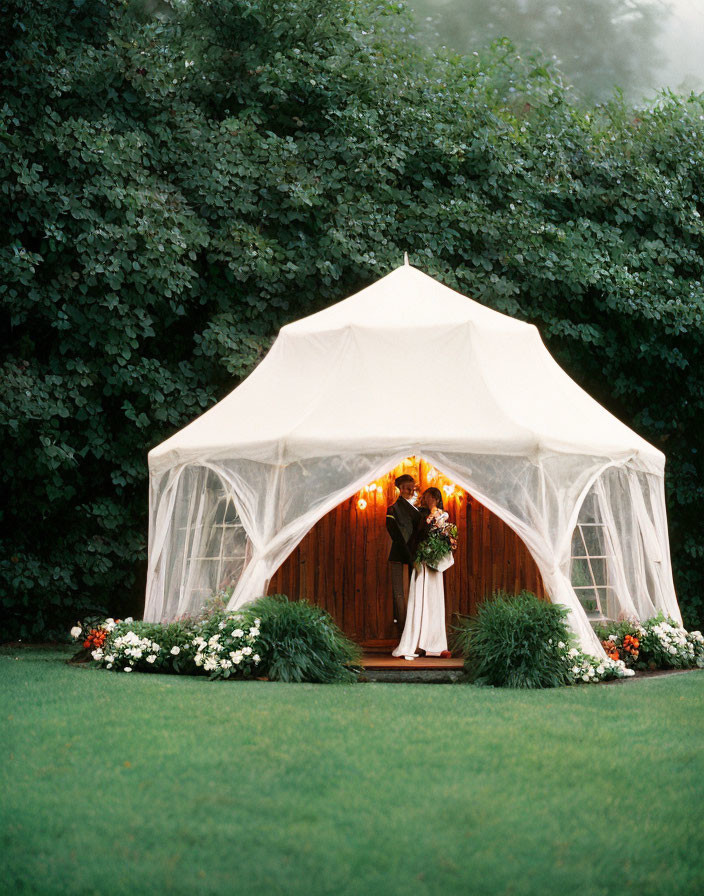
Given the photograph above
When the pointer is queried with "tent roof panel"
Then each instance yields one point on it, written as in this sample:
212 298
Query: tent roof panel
405 362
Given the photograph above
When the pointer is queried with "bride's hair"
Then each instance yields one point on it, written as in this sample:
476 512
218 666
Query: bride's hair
435 492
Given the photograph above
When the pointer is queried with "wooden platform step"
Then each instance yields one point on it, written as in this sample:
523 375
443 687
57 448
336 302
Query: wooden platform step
372 661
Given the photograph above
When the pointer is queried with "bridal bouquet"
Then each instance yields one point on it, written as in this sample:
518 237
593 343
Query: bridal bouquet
436 549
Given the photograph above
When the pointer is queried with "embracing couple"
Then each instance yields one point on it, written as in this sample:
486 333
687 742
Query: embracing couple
422 541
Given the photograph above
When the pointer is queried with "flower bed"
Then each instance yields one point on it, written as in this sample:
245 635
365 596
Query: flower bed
657 643
222 645
272 637
588 669
516 640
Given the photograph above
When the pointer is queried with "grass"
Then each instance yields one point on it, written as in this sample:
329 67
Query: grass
140 784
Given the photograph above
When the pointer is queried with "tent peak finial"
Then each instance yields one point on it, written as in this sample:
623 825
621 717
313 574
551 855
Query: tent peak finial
405 258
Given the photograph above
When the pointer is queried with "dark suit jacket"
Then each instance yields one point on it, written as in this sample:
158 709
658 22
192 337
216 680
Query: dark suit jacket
402 519
420 531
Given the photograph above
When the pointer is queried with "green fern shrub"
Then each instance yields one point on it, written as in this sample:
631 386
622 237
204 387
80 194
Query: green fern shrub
300 642
515 641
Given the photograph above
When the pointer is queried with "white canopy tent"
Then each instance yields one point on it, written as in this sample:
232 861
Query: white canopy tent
408 367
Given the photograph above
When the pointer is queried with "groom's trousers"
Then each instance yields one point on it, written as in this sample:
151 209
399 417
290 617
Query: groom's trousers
400 575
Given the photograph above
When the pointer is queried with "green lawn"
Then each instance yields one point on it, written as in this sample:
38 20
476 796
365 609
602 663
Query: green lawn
144 784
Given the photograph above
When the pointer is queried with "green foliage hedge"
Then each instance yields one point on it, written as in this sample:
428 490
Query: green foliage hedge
301 642
176 188
516 641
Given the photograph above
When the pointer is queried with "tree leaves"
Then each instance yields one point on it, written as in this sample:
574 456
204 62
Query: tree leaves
176 191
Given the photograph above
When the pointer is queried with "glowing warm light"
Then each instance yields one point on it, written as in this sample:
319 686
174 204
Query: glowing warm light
379 489
432 473
361 503
448 489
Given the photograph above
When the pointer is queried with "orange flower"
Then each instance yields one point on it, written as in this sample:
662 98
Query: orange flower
95 638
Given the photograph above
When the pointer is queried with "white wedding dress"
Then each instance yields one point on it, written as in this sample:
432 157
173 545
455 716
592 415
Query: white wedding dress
425 614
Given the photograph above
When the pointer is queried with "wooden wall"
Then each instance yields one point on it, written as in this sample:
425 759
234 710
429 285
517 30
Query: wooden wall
342 564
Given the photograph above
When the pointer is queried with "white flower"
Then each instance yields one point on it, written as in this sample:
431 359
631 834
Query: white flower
109 666
573 652
198 659
246 651
128 619
97 654
600 670
672 650
237 633
585 678
549 640
137 654
221 625
613 637
225 664
236 657
151 658
210 663
575 670
127 669
629 672
257 621
254 631
76 632
109 658
175 650
561 645
256 658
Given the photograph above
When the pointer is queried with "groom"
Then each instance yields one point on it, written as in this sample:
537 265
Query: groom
401 520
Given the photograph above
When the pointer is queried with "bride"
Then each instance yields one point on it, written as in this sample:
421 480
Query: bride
425 615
